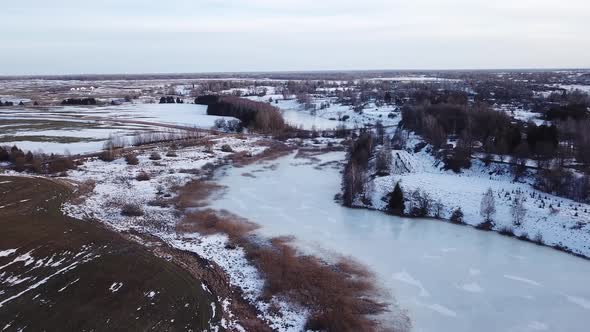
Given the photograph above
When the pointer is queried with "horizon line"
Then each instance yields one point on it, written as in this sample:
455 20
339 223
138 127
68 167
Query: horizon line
320 71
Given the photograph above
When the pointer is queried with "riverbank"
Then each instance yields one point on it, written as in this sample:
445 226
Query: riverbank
549 220
153 202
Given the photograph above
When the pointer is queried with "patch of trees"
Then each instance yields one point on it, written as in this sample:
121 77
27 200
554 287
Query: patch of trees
563 182
35 162
542 140
355 178
576 111
206 100
7 103
79 101
252 114
171 100
468 124
229 125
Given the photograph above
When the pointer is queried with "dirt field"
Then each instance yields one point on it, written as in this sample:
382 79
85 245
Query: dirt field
71 275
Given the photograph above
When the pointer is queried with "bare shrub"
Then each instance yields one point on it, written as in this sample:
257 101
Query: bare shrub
195 194
339 295
226 148
159 202
132 210
538 239
107 155
142 176
19 163
131 159
155 156
60 165
506 230
209 222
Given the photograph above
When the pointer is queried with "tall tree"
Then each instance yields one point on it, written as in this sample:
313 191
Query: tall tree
383 160
518 209
488 206
396 203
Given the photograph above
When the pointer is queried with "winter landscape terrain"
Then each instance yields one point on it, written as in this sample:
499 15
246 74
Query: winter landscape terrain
352 201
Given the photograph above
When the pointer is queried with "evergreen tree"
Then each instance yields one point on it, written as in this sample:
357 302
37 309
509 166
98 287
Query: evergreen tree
457 216
396 201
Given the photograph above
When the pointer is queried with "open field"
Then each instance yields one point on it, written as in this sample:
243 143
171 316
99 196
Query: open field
59 273
84 129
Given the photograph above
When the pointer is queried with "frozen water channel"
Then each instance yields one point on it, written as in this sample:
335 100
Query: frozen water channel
448 277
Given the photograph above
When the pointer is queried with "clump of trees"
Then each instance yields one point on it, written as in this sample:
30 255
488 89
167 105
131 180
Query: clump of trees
79 101
383 159
7 103
355 172
252 114
420 204
171 100
229 125
39 163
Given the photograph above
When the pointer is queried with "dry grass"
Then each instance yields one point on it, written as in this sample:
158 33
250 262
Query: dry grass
195 194
209 222
274 150
108 155
339 295
60 165
82 190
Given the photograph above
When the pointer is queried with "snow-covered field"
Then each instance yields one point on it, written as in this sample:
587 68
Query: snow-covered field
327 118
78 129
555 220
115 185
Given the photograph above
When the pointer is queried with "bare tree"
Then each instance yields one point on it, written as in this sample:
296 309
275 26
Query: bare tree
487 208
518 209
437 209
383 160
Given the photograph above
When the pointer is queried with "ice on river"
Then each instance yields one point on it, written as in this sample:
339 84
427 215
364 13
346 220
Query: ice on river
449 277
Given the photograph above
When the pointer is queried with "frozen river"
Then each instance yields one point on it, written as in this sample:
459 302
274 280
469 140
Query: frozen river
448 277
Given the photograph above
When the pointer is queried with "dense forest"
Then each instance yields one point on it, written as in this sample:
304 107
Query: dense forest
255 115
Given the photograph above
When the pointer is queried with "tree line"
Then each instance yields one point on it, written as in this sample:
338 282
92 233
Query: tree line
79 101
255 115
171 100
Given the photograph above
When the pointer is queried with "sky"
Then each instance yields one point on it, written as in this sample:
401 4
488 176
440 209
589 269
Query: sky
180 36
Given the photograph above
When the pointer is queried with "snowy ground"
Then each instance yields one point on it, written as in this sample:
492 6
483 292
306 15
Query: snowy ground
115 185
80 129
520 114
555 220
295 114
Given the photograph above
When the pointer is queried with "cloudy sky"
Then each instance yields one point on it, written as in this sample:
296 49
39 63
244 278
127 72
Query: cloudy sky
145 36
